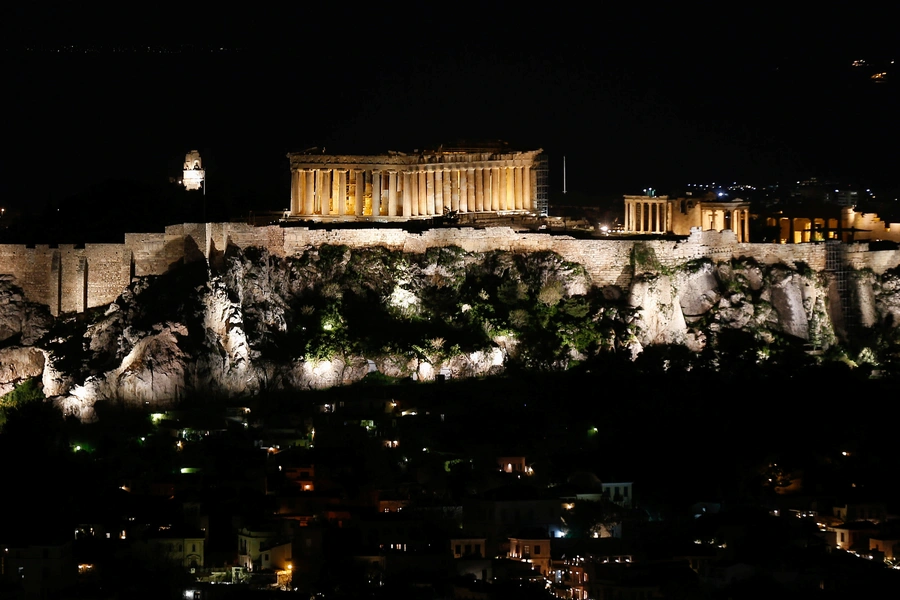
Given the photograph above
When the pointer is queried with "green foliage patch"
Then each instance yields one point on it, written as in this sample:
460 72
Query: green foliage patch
25 392
376 302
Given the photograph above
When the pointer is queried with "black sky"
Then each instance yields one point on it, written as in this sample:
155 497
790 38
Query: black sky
632 96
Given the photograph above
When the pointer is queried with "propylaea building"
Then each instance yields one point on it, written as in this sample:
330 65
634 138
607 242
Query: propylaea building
400 186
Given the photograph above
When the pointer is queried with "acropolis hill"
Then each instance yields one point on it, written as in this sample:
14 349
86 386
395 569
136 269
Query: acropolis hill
228 309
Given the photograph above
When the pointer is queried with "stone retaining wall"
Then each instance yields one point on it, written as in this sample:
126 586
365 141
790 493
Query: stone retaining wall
71 279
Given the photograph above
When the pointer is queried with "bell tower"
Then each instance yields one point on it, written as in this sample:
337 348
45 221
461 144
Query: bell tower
194 175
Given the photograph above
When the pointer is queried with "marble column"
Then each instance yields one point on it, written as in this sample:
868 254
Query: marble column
327 191
414 193
454 189
479 190
407 194
423 193
342 192
359 196
429 192
504 184
376 193
470 191
486 184
309 196
392 193
448 188
301 190
331 205
320 179
746 219
528 200
463 190
518 189
495 188
439 191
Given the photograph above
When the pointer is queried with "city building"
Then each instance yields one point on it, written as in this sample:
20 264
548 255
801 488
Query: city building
182 546
531 546
400 186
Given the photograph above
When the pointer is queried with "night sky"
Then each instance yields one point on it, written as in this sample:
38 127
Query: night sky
633 97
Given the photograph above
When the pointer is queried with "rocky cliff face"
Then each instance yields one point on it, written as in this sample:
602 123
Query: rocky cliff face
253 322
686 304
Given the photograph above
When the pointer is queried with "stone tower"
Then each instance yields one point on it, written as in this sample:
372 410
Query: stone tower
194 174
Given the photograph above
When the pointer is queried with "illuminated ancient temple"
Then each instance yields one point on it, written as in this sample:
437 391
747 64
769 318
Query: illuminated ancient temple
400 186
664 215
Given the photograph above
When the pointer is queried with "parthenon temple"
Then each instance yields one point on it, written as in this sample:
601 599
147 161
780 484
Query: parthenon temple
410 186
662 215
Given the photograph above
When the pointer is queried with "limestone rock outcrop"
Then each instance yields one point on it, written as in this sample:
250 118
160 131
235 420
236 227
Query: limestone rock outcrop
18 317
18 364
252 322
674 307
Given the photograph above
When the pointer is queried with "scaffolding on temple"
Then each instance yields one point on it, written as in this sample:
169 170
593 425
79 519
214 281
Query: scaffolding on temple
542 185
836 264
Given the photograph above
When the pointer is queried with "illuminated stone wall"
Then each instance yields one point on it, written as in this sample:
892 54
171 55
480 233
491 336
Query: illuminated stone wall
869 226
149 252
70 279
32 269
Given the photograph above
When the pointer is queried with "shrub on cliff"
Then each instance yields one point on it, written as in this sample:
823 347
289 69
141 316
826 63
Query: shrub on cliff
27 391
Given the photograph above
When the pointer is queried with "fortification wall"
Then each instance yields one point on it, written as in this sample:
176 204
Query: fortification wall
31 268
148 252
72 273
70 279
108 269
860 257
812 254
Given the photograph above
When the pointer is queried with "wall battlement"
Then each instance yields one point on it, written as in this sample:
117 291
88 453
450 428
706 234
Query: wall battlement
71 279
